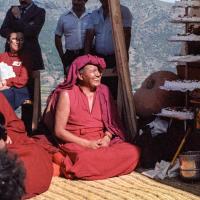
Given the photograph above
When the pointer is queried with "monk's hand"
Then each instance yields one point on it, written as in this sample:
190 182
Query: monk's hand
105 141
16 12
8 140
94 144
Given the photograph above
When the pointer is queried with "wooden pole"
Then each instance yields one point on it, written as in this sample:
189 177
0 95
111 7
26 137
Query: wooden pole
36 100
123 70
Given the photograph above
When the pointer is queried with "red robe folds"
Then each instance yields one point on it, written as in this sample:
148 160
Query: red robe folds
36 160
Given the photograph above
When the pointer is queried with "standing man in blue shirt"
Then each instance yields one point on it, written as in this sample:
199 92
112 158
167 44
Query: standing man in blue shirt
100 34
101 31
73 25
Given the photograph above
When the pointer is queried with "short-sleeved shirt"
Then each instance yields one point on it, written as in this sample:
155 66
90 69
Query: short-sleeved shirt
103 29
73 28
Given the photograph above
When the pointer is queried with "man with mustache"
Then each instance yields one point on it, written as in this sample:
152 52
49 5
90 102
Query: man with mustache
29 19
72 24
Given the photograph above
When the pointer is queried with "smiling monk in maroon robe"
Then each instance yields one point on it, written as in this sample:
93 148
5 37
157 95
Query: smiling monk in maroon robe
86 125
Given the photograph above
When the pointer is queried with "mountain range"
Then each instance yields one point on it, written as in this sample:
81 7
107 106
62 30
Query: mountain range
149 46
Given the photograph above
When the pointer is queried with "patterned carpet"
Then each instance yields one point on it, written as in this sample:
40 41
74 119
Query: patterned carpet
129 187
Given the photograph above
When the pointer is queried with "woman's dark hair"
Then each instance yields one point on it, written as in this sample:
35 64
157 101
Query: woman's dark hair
7 45
3 134
12 176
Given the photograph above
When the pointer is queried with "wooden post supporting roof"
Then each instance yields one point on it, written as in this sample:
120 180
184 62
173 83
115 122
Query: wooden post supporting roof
126 96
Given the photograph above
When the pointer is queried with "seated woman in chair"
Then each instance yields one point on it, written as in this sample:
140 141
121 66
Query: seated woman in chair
36 160
86 125
13 72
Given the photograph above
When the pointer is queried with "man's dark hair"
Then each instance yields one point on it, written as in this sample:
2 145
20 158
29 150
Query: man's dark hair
12 176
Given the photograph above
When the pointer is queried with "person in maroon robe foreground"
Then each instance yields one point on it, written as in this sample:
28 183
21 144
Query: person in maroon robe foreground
87 127
37 162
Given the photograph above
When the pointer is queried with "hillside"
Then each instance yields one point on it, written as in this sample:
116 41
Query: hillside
149 47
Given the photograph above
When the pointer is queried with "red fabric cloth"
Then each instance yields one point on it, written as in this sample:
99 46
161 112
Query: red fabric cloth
83 163
36 160
20 70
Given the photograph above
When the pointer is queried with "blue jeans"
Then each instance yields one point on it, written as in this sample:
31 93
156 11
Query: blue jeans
16 96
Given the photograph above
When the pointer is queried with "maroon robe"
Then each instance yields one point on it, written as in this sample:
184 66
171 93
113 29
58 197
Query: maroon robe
90 164
36 160
83 163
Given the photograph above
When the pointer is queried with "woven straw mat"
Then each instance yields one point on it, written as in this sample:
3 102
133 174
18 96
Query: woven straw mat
131 187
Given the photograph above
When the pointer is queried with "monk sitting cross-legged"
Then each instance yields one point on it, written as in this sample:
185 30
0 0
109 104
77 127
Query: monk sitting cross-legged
86 125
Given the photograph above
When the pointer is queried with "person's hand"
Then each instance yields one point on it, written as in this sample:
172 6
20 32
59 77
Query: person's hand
4 88
8 140
2 144
16 12
94 144
105 141
4 83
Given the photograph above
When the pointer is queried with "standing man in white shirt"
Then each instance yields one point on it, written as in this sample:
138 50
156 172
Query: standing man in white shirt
72 25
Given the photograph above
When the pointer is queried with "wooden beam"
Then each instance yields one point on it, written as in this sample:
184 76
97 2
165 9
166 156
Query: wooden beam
187 58
123 70
186 4
185 20
36 100
185 38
